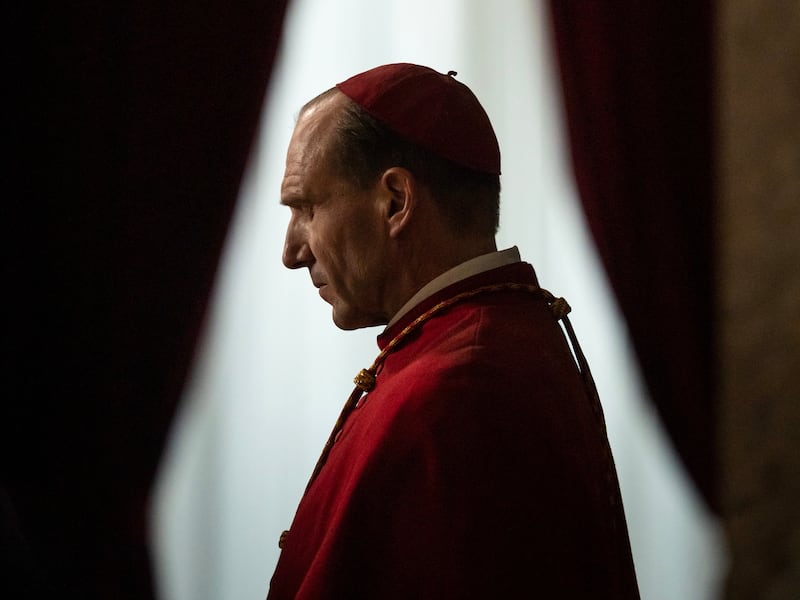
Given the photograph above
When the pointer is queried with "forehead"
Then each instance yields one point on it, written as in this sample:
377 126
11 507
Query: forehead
307 158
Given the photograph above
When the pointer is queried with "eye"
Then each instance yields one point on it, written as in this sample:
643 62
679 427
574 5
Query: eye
302 210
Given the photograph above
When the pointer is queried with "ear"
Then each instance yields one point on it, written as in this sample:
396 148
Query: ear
401 193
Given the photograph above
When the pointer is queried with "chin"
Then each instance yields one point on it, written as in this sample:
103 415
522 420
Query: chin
351 321
350 325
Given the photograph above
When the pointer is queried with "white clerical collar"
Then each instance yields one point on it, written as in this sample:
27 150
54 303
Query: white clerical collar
473 266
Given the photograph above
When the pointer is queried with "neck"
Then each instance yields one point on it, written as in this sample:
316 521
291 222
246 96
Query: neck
428 262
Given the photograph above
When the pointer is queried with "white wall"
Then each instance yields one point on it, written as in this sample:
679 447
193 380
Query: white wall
273 370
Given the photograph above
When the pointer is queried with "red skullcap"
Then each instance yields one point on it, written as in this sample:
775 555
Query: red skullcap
429 109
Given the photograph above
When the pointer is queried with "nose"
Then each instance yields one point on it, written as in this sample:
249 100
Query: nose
296 251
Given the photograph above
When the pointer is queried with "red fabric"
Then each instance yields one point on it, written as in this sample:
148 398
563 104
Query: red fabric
474 469
452 125
637 83
134 139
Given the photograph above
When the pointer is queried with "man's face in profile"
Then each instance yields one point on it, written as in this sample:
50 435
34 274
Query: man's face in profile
336 229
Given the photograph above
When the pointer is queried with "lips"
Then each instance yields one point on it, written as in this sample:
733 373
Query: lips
319 283
321 288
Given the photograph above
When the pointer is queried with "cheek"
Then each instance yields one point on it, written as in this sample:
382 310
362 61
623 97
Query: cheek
348 246
329 246
368 253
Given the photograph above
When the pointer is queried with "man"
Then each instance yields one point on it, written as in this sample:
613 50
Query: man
476 464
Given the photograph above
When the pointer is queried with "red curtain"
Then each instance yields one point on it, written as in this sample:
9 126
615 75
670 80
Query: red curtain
637 90
131 137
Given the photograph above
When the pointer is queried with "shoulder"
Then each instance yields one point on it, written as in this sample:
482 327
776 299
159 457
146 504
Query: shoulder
501 357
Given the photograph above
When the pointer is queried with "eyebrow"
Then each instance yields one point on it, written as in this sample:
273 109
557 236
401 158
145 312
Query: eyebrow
295 201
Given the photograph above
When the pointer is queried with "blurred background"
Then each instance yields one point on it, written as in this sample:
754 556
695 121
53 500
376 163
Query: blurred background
172 384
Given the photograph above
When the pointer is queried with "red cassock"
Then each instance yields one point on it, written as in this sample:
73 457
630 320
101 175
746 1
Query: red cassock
478 467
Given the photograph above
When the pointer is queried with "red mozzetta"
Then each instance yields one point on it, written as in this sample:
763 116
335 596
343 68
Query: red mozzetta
477 467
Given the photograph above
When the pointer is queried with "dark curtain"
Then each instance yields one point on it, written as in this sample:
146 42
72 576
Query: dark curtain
131 125
637 91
